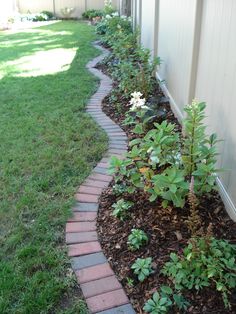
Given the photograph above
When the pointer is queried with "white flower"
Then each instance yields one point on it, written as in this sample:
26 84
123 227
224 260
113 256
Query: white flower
123 17
108 16
118 26
136 95
115 14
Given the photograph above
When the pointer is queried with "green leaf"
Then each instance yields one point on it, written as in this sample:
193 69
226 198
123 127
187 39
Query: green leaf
166 289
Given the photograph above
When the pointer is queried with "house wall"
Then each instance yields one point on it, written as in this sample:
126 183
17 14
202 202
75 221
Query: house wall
197 44
36 6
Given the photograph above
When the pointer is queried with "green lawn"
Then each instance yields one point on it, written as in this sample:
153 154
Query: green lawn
48 145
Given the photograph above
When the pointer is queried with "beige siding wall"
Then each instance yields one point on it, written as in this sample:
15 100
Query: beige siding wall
35 6
216 81
148 20
175 46
197 44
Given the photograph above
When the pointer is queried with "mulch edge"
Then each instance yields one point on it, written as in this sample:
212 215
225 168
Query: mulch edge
102 291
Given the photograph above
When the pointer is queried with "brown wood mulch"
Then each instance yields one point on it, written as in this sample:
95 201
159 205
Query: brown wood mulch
167 232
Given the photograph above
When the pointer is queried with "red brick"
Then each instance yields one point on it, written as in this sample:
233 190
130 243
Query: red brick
84 248
80 226
81 237
83 216
100 177
94 273
107 301
100 184
87 198
103 164
100 286
90 190
117 151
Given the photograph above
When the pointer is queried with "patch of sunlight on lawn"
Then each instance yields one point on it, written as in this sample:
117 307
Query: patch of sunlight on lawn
39 63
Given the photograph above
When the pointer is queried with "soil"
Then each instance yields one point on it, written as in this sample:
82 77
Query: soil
166 230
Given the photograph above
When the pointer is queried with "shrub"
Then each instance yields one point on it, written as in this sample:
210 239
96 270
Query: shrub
163 301
158 164
199 152
136 239
90 14
142 268
205 262
48 14
38 17
121 209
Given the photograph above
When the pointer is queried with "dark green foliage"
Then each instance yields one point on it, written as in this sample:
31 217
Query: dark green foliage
205 262
48 13
90 14
162 302
142 268
121 209
137 239
160 149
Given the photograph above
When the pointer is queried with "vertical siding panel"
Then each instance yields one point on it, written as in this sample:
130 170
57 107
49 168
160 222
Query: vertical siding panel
148 24
175 46
216 81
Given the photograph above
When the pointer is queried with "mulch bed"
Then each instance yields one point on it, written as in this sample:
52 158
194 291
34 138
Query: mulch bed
166 229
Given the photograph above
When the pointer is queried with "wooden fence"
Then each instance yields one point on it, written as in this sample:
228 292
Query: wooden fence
55 6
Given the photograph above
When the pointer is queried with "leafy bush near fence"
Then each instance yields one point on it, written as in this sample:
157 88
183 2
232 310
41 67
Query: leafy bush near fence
90 14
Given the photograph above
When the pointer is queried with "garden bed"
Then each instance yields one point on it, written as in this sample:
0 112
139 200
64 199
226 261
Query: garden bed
166 230
161 222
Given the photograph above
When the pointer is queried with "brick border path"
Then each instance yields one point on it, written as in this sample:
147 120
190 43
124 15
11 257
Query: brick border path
102 291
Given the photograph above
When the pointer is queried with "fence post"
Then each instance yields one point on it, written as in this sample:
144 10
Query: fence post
196 49
156 27
85 5
54 7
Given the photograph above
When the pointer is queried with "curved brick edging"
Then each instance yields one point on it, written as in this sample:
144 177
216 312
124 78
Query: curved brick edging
102 291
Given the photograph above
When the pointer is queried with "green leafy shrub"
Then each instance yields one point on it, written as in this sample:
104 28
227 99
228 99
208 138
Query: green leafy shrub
134 72
90 14
159 165
199 152
38 17
142 267
137 239
205 262
108 8
158 304
111 26
163 301
121 209
48 14
171 186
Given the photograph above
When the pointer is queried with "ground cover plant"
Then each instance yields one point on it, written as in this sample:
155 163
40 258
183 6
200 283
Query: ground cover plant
174 252
47 150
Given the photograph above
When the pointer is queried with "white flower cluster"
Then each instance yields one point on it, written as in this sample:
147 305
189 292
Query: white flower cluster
137 102
108 3
110 16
